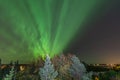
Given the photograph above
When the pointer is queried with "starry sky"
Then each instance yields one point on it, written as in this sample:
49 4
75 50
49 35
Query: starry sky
29 29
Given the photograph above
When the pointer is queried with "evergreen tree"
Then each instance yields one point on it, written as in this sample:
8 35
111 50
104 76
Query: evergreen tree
0 61
10 75
48 72
77 69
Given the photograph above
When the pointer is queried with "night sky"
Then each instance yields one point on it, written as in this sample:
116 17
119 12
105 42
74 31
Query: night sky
95 37
100 42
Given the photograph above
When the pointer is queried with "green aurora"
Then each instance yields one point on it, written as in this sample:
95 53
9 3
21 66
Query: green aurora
39 27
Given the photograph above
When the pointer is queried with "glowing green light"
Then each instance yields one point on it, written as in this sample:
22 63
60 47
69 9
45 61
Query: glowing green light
43 26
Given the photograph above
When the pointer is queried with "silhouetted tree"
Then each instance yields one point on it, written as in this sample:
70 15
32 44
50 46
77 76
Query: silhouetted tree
0 61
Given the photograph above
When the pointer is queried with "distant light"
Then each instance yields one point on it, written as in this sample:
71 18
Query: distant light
22 68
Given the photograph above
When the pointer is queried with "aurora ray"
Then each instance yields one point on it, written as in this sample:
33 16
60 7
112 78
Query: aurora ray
40 27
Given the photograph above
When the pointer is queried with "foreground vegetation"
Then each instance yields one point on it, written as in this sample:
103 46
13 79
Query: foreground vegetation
60 68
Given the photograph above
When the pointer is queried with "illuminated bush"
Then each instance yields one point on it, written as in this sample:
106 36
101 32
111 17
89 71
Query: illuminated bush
77 69
10 75
48 72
